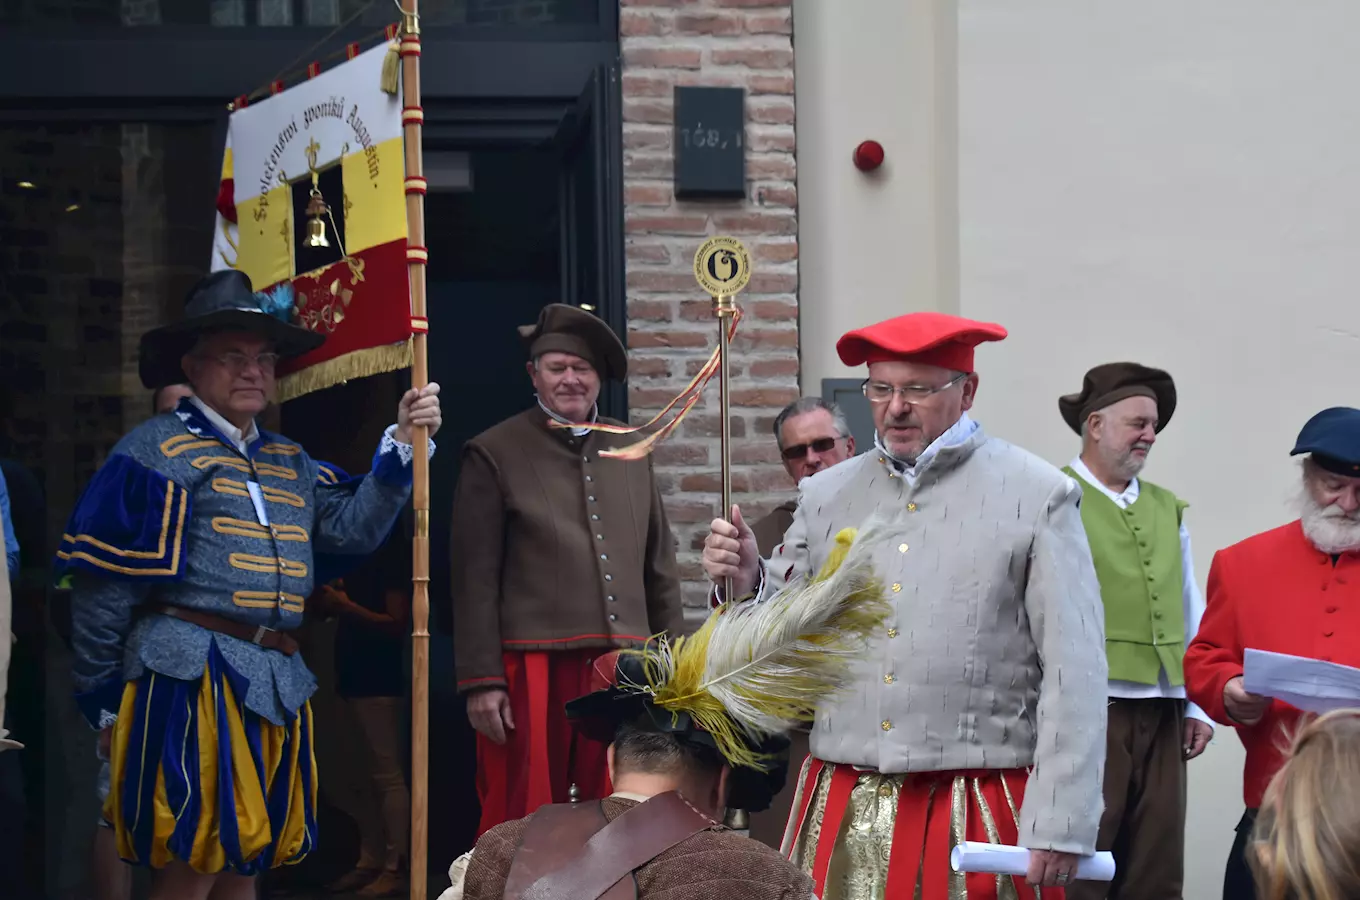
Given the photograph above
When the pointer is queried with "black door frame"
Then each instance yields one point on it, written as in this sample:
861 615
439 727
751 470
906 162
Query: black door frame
165 72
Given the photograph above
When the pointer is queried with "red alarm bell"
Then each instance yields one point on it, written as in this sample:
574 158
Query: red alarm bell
868 156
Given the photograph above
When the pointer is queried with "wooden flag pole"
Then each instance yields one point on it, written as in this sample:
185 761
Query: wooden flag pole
412 118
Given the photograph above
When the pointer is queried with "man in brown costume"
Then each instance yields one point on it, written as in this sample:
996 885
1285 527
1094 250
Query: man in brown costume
694 727
559 554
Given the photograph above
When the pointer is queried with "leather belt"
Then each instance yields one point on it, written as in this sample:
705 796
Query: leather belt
252 634
568 853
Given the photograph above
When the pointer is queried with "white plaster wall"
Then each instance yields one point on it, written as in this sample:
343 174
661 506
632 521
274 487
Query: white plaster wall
879 244
1175 182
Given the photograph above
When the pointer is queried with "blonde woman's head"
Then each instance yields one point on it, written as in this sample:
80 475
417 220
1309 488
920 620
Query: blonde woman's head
1307 836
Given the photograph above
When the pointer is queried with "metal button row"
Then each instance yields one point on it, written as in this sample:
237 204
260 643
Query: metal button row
604 557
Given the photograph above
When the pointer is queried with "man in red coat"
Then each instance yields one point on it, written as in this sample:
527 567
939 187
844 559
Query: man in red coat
1294 589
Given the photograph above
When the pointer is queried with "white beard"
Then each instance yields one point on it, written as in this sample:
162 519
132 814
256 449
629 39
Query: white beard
1327 527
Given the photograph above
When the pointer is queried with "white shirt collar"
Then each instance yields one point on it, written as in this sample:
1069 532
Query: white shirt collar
1123 499
242 439
956 434
578 432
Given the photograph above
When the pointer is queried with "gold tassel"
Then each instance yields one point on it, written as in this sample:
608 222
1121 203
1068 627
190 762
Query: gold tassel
359 364
391 69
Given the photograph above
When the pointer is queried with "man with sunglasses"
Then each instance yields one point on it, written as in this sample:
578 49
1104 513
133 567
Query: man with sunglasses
812 435
979 713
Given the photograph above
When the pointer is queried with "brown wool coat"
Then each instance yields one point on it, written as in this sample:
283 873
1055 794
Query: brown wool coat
712 865
555 548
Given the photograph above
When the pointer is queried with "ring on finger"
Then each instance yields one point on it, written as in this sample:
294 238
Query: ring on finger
1063 877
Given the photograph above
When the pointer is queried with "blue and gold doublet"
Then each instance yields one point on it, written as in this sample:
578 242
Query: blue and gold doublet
178 516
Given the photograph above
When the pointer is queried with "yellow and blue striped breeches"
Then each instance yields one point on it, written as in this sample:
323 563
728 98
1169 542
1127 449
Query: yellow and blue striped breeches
198 778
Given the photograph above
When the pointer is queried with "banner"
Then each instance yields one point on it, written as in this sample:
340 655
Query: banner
312 207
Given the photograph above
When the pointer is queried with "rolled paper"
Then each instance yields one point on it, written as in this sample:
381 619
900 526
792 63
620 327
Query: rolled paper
1003 859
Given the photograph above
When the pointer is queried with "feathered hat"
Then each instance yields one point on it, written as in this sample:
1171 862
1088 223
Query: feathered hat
752 672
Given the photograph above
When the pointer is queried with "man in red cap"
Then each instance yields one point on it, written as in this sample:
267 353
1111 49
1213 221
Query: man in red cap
977 714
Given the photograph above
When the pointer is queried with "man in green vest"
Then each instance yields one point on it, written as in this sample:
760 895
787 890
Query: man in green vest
1141 549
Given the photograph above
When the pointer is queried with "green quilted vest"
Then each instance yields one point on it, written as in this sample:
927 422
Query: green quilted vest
1137 553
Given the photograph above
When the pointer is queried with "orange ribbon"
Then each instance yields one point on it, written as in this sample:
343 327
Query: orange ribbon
686 400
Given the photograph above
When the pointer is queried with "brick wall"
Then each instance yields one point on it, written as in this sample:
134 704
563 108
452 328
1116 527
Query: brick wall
745 43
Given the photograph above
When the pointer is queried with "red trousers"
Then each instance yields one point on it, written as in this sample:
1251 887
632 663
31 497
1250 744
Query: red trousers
934 810
543 756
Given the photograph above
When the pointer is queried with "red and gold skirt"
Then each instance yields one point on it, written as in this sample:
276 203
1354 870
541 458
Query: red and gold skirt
863 835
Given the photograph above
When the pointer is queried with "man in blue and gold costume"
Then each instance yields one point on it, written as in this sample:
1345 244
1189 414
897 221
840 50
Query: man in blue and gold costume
191 552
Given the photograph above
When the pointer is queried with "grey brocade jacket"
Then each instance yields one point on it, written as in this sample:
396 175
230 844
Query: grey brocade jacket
994 655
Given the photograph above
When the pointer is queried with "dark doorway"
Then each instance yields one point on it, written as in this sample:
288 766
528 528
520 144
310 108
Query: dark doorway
130 129
539 222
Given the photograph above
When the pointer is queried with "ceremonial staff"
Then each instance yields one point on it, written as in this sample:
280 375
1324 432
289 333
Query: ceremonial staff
723 267
412 118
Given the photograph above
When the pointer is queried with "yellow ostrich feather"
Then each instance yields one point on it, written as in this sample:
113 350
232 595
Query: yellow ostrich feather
758 669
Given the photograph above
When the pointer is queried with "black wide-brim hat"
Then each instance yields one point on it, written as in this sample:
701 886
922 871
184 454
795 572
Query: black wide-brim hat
1107 384
221 301
599 715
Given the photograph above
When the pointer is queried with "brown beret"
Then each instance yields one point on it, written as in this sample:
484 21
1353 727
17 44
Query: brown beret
1109 383
569 329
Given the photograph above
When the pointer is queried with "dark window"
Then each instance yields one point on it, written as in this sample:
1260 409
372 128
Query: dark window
288 13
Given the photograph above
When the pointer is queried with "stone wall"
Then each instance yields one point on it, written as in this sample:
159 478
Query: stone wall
749 44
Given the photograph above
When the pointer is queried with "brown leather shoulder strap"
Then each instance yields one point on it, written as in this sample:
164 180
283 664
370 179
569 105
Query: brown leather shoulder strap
613 852
554 837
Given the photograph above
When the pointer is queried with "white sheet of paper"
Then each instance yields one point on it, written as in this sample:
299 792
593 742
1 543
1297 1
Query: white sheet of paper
1003 859
1308 684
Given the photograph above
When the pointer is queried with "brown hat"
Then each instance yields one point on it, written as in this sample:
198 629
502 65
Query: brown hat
1109 383
569 329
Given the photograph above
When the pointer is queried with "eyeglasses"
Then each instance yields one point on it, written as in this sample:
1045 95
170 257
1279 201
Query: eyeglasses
878 392
800 451
238 362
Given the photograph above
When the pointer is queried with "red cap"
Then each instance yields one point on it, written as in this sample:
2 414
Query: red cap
929 338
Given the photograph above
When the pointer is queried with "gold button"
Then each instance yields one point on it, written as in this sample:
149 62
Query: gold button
897 587
911 507
888 679
892 632
902 548
887 726
885 790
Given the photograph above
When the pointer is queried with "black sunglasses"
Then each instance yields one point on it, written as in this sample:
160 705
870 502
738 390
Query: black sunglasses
800 451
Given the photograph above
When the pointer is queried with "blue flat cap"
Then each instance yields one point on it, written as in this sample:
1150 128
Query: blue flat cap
1333 438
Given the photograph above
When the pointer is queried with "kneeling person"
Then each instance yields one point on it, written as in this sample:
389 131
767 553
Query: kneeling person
679 755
